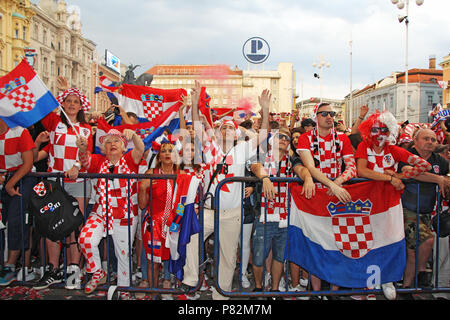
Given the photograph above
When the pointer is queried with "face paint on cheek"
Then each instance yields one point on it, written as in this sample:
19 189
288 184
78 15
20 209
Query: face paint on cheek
379 140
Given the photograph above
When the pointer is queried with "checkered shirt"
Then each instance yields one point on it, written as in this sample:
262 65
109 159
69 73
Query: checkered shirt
117 189
62 149
13 143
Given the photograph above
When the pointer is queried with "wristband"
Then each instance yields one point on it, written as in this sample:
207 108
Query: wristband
361 118
78 165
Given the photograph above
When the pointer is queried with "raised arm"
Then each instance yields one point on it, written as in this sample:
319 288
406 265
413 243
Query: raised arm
139 148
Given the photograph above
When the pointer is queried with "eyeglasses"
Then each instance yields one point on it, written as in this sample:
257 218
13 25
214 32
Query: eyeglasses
283 136
381 130
326 113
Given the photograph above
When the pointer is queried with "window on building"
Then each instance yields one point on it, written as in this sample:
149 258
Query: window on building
16 32
24 33
430 100
44 37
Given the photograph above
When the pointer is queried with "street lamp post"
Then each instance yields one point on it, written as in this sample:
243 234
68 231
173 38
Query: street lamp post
400 5
321 64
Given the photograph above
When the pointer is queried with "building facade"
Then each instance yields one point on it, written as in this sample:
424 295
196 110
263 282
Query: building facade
231 87
60 48
100 101
15 21
445 64
306 107
424 93
280 82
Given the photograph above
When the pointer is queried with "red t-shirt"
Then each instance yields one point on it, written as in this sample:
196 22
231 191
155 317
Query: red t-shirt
13 143
323 159
388 159
62 149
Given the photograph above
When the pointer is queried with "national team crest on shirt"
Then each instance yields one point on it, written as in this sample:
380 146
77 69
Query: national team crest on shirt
388 161
351 227
153 105
40 189
436 169
22 98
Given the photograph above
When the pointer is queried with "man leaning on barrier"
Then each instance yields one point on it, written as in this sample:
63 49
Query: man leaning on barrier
424 145
270 228
323 151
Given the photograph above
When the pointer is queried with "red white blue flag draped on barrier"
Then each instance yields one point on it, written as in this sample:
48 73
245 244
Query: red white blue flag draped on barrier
182 223
347 244
24 98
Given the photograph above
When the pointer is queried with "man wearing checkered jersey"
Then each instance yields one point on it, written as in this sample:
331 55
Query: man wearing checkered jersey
16 158
323 151
229 159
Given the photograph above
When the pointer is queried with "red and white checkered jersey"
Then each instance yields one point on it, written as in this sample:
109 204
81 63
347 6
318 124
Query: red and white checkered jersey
117 188
13 143
62 149
324 159
387 159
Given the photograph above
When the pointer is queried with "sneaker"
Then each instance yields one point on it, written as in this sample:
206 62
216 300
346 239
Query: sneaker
29 274
7 275
282 284
389 291
125 296
245 282
298 288
371 296
51 276
73 281
166 296
304 282
99 277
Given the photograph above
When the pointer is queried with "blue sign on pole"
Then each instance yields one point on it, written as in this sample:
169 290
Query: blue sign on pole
256 50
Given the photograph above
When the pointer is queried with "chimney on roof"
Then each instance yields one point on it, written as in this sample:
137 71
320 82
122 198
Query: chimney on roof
432 62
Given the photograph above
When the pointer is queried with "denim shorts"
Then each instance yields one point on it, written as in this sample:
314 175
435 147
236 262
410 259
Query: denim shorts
275 238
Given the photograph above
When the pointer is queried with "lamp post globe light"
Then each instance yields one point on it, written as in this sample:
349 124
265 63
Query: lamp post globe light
320 65
400 5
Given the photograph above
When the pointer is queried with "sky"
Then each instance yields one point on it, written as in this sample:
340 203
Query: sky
150 32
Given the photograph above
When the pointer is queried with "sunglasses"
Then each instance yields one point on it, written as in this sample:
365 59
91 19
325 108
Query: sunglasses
283 136
326 113
381 130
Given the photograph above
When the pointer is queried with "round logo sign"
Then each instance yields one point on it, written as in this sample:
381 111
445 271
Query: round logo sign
256 50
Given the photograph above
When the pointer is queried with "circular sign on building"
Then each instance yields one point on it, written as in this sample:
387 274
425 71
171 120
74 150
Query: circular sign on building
256 50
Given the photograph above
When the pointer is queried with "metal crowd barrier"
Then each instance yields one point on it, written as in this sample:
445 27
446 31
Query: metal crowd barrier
309 292
112 289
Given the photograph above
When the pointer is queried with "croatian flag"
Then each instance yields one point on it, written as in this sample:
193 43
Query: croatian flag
107 85
148 131
24 98
358 244
149 103
183 222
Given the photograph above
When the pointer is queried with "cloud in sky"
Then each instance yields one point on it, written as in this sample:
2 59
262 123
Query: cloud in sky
298 31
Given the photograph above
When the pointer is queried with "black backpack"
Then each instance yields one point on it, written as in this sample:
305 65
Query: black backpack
56 213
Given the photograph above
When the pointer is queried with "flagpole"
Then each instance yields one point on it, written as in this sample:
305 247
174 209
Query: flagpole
70 122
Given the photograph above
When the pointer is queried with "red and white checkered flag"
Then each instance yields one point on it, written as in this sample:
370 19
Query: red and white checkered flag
40 189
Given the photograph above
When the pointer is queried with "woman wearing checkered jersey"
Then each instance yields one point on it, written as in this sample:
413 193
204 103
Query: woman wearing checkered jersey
16 158
377 158
115 210
62 154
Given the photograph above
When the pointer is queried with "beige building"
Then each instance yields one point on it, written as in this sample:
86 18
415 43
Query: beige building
224 85
15 20
60 47
228 87
445 64
100 101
